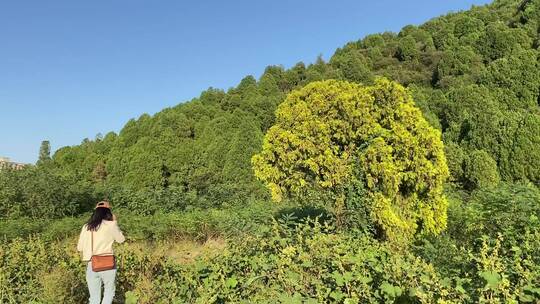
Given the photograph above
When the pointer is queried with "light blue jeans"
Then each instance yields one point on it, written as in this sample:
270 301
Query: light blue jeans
94 280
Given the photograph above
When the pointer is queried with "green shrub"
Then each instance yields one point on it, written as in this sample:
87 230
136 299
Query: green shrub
199 224
63 284
480 170
306 262
509 209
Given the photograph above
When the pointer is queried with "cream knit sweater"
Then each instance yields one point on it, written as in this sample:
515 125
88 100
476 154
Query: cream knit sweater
107 233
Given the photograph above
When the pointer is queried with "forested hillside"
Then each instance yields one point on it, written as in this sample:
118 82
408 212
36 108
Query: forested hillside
475 76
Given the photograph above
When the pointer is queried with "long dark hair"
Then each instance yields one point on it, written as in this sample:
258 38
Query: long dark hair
99 215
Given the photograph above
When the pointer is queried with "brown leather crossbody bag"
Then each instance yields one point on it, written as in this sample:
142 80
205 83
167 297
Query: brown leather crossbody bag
101 262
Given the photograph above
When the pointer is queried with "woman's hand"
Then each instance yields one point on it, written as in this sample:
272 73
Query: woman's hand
114 217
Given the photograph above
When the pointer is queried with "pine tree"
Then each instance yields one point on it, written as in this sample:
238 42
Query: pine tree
44 152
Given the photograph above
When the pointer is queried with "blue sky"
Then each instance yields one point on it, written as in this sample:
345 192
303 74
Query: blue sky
72 69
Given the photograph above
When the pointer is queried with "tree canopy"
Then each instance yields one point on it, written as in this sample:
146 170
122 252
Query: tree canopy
325 129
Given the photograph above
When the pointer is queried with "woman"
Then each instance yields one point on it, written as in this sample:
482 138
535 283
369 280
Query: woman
104 230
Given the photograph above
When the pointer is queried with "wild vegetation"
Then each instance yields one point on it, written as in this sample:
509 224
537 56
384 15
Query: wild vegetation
403 170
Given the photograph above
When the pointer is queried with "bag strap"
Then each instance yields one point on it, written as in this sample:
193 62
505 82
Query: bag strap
92 231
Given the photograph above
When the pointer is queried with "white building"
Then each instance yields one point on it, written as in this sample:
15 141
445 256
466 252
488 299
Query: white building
6 163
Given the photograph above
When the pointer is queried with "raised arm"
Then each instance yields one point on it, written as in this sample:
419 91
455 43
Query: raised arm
81 240
118 235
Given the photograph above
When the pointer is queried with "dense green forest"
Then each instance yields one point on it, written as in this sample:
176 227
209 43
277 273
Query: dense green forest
406 169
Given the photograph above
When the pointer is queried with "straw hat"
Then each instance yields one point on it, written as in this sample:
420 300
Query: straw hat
103 204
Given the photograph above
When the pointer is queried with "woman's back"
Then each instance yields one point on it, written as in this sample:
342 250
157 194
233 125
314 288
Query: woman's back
106 234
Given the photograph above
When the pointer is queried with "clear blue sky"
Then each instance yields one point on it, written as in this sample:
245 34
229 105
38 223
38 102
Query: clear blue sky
72 69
